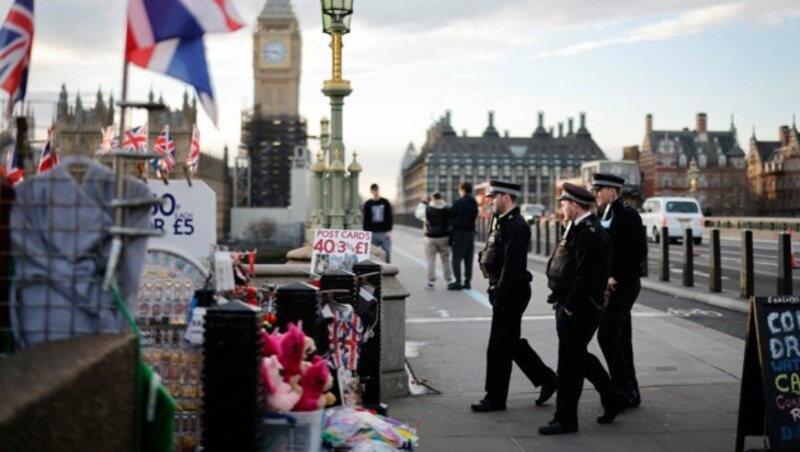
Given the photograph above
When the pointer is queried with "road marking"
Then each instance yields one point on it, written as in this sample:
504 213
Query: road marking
472 293
690 312
442 313
428 320
698 273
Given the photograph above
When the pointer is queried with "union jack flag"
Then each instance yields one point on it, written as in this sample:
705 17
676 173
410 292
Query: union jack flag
110 141
166 147
193 159
13 171
16 41
136 139
49 157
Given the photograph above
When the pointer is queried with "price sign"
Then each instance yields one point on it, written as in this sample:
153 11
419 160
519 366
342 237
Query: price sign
339 249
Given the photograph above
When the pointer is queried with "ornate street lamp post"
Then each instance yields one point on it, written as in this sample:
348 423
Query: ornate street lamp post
336 16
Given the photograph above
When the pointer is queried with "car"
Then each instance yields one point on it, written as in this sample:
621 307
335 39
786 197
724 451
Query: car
677 214
531 212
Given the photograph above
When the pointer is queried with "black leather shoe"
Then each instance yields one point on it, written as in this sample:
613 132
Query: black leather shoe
485 406
466 286
557 428
454 286
548 389
636 400
609 414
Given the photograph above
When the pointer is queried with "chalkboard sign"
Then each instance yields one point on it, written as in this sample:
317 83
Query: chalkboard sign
769 400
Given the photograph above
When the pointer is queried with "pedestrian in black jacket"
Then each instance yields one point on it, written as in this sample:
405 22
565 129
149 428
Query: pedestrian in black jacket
436 217
504 263
378 219
462 218
624 226
577 273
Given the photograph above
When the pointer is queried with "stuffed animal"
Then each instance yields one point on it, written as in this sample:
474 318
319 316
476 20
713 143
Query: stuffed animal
280 396
272 345
314 381
292 345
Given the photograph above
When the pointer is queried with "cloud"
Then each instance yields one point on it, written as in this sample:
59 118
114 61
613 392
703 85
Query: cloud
690 23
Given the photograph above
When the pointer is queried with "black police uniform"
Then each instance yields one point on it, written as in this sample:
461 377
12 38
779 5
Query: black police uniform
624 226
504 263
577 274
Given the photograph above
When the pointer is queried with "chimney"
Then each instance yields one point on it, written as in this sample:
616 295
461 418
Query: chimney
583 121
447 117
541 119
648 124
701 125
505 133
783 135
570 121
560 129
491 119
464 133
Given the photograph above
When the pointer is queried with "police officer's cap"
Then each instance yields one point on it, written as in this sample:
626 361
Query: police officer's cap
574 193
602 180
496 187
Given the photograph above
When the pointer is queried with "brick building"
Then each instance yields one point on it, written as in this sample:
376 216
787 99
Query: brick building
667 156
773 172
536 162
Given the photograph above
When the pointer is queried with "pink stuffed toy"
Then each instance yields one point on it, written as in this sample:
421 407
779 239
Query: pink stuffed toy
292 348
272 345
314 382
280 397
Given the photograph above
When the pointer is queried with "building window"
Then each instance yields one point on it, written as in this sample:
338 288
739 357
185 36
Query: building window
481 171
507 170
468 171
545 171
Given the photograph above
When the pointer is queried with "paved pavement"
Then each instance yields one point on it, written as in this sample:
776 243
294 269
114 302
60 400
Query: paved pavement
689 375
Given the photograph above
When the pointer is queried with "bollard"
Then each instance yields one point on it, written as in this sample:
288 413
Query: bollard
746 279
645 264
715 269
547 237
663 264
784 264
688 258
538 237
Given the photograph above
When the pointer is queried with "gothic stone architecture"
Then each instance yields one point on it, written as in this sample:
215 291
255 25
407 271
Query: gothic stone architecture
272 129
667 156
773 172
537 162
77 130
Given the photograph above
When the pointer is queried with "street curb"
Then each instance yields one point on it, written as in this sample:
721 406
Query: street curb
718 301
713 300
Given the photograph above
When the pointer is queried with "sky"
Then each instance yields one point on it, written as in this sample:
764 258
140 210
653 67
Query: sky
410 61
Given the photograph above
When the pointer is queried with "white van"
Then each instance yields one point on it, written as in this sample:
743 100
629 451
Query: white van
677 214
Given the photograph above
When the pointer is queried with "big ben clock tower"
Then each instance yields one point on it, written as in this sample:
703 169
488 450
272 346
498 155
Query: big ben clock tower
273 130
276 60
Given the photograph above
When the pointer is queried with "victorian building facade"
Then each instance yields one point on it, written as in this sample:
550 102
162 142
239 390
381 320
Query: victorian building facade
77 130
773 173
707 165
272 130
537 162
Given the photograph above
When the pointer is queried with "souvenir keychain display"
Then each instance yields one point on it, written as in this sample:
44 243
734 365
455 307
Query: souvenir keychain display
168 283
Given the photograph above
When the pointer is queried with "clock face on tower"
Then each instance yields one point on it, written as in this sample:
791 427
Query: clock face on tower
274 52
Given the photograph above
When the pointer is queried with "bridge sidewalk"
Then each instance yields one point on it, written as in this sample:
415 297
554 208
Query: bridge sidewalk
689 376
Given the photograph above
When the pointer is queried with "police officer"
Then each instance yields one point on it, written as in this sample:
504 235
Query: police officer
624 226
504 263
577 274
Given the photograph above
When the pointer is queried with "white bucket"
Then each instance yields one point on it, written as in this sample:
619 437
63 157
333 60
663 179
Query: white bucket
305 435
